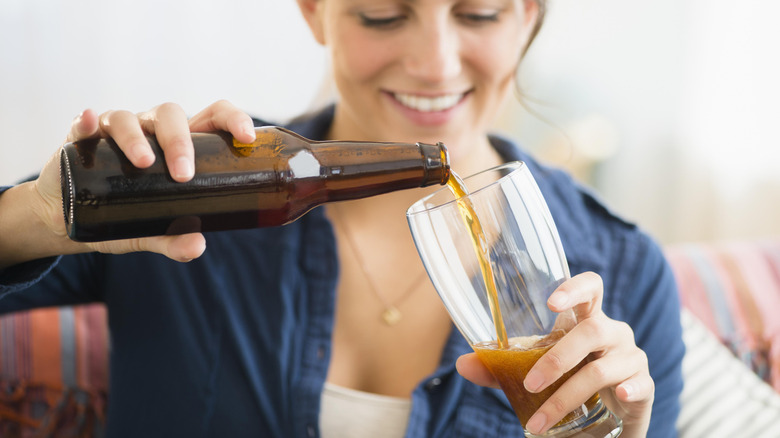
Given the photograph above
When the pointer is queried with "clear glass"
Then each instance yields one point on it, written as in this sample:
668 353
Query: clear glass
528 263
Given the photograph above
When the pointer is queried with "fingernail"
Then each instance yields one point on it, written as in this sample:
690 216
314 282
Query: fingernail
533 381
629 390
249 129
77 124
558 299
183 168
536 423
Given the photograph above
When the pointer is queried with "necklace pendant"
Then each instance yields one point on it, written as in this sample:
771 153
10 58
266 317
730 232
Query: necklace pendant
391 316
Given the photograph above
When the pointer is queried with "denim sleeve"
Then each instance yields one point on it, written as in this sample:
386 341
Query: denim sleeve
24 275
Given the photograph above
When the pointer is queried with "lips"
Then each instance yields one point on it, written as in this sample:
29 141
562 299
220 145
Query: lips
428 104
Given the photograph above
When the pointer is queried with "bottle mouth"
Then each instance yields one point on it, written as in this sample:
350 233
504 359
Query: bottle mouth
485 180
436 161
445 156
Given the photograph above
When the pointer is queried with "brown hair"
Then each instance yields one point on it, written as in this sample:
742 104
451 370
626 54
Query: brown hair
521 97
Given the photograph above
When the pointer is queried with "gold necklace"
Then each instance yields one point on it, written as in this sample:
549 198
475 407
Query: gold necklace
391 315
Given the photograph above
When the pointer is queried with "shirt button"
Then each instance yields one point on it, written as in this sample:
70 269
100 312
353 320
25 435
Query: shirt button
433 384
311 431
321 353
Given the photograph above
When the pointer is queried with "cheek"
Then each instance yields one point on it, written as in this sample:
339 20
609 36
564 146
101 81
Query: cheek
497 66
358 58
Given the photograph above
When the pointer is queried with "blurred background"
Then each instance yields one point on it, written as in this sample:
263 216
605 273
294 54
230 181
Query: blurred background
668 110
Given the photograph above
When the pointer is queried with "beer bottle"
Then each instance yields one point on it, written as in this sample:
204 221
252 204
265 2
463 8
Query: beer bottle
270 182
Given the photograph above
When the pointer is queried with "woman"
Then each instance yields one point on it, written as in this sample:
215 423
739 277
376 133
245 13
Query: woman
270 332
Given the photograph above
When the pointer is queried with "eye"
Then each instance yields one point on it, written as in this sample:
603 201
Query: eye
381 22
478 18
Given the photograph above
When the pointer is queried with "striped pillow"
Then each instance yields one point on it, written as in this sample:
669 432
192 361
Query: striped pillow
734 289
722 397
54 371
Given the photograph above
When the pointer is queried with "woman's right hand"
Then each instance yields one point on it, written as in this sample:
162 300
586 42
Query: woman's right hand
170 125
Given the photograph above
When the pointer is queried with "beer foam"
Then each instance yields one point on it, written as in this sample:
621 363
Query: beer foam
525 342
521 343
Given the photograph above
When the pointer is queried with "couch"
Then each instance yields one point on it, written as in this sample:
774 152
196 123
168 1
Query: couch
54 375
730 293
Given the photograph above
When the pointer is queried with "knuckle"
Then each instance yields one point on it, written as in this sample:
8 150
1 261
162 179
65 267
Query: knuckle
642 359
109 116
121 114
148 115
595 328
624 330
169 107
557 406
551 360
223 104
594 277
650 384
597 371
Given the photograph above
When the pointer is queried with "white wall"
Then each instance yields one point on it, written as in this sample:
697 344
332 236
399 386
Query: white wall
59 57
691 91
672 103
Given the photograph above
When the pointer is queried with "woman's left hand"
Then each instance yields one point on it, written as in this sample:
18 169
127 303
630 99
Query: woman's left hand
618 369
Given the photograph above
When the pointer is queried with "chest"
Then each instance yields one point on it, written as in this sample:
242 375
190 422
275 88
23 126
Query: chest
369 354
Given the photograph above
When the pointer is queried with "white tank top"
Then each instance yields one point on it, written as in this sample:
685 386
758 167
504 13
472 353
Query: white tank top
348 413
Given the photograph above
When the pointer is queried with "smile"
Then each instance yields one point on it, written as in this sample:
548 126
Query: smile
428 104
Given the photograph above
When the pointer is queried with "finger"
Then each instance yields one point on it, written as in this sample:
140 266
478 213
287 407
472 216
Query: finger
582 385
583 293
85 125
639 388
224 116
182 248
606 372
590 338
169 124
472 369
124 128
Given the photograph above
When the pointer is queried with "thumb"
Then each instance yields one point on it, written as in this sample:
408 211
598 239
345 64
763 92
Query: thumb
181 248
472 369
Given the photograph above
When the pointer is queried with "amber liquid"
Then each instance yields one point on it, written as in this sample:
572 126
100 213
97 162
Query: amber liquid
510 366
509 360
459 190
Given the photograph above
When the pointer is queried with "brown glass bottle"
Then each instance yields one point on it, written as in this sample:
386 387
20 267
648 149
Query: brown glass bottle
270 182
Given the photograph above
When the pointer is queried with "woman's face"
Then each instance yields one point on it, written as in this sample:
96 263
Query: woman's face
420 70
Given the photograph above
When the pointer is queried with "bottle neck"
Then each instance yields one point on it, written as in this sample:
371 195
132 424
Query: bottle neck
355 170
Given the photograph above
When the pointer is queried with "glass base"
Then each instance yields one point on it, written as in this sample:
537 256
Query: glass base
599 423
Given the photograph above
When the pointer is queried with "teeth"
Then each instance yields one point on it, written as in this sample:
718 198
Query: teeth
428 104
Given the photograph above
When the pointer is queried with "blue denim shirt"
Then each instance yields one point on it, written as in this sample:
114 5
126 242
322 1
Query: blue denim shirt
237 343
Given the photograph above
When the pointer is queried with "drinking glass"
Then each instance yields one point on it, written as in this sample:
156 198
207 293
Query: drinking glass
521 246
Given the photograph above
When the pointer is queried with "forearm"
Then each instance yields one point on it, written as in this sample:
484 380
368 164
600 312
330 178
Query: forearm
26 228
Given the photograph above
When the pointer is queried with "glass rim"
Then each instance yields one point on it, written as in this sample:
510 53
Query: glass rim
516 166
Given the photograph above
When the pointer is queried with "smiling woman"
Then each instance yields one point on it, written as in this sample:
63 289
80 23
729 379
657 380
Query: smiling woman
257 334
420 69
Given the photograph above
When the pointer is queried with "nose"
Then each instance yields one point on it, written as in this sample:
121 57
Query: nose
435 55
